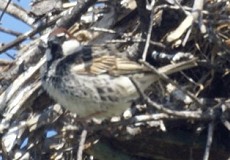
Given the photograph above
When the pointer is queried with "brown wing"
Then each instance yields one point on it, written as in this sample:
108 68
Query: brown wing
110 64
106 60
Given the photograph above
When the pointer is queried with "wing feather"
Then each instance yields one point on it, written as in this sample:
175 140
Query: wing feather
108 64
86 62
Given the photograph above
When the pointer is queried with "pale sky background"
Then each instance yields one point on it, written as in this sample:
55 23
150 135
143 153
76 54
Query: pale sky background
13 24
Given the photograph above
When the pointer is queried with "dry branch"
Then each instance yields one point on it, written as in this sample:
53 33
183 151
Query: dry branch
76 13
27 35
162 120
17 12
14 33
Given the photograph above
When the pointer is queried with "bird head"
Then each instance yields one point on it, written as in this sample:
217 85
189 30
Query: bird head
60 43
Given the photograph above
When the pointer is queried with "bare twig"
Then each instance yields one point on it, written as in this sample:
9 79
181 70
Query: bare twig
224 117
151 117
14 33
68 20
4 10
196 115
26 35
124 40
141 93
10 56
158 44
167 79
182 114
15 86
81 144
16 11
103 30
187 22
148 37
209 140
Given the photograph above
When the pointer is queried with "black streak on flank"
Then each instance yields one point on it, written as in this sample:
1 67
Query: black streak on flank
100 90
113 98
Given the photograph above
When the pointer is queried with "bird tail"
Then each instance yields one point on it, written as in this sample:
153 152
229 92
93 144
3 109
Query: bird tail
145 80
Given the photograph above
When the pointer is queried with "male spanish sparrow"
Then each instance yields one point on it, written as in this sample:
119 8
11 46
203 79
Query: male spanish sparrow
94 80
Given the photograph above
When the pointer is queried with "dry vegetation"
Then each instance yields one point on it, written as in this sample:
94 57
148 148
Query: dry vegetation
182 116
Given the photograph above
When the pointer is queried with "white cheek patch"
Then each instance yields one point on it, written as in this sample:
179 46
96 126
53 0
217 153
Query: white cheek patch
70 46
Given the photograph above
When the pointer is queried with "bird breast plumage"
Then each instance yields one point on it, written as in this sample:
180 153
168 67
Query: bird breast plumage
87 95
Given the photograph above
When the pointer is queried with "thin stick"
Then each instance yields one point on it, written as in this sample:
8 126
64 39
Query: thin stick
10 56
141 93
81 145
68 20
26 35
148 37
3 12
167 79
183 114
209 140
187 114
14 33
16 11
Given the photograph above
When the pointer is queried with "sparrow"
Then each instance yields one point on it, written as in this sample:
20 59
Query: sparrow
95 80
